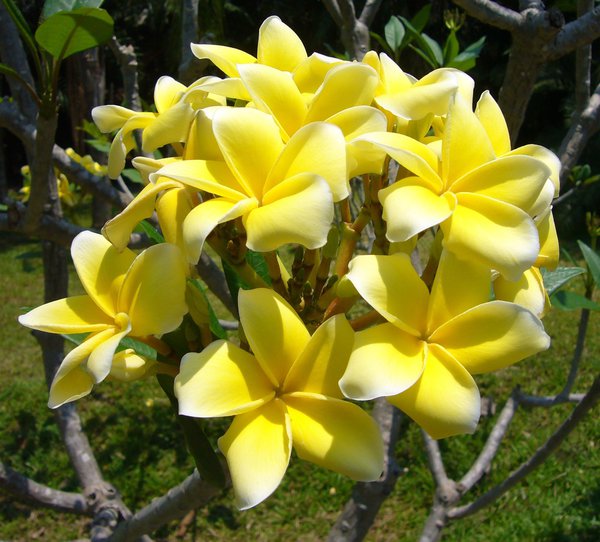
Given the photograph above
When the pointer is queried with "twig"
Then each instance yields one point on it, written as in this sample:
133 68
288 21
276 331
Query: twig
541 454
434 459
28 490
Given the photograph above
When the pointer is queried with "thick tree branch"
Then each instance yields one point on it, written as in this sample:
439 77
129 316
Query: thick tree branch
127 59
542 453
369 11
575 34
27 490
191 494
491 13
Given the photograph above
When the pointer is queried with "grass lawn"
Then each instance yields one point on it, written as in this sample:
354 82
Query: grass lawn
141 450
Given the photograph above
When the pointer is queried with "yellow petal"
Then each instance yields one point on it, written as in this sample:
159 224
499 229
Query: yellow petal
274 331
547 157
203 219
410 154
167 93
461 126
528 291
458 286
492 336
118 229
109 118
250 142
223 57
101 268
492 233
222 380
385 361
445 401
318 148
298 210
323 361
410 208
72 381
77 314
201 143
279 46
274 92
549 250
233 88
128 366
171 208
335 434
344 86
517 180
392 287
172 126
309 75
490 115
257 446
153 291
100 359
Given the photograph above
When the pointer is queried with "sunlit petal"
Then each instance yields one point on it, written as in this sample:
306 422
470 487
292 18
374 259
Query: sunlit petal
171 208
528 291
335 434
100 359
493 233
274 331
172 126
101 268
298 210
153 291
318 148
323 361
225 58
127 366
385 361
549 250
392 287
490 115
167 93
231 87
309 75
109 118
279 46
77 314
203 219
445 401
410 208
257 446
547 157
222 380
492 336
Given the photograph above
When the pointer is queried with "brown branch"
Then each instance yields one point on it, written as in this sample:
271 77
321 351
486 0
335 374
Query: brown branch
127 59
575 34
367 497
191 494
492 13
28 490
541 454
354 32
214 278
369 11
334 10
583 63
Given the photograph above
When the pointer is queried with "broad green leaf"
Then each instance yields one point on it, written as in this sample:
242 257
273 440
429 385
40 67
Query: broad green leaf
451 48
553 280
433 49
133 175
69 32
420 20
258 263
593 261
382 42
475 47
54 6
463 64
206 460
145 227
394 33
571 301
139 347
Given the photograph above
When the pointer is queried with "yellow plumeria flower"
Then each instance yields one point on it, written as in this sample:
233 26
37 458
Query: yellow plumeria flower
284 193
284 395
423 358
175 105
483 203
126 294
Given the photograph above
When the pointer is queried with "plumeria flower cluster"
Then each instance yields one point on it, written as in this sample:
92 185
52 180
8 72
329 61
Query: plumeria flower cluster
269 161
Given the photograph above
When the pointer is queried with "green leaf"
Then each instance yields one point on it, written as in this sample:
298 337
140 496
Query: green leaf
394 33
20 23
206 460
150 231
75 338
420 20
102 146
571 301
593 261
133 175
213 321
433 48
383 44
259 264
553 280
69 32
451 48
54 6
139 347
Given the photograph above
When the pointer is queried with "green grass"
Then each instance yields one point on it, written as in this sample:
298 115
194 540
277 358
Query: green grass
141 450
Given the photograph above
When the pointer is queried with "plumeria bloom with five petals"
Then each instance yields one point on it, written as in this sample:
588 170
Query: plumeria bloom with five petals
284 395
422 359
284 193
126 294
483 203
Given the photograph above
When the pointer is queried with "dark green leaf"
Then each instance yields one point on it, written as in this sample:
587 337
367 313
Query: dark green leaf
151 231
75 338
69 32
206 460
423 55
451 48
133 175
258 263
54 6
394 33
553 280
475 47
213 321
571 301
593 261
139 347
383 44
462 64
420 20
433 49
